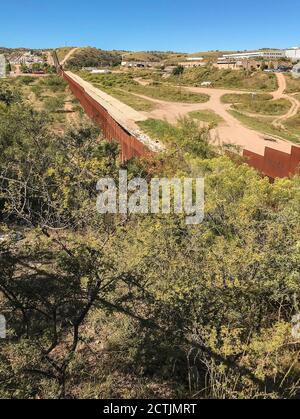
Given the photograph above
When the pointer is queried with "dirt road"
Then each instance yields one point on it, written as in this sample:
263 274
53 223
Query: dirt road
231 130
281 86
280 94
50 58
69 55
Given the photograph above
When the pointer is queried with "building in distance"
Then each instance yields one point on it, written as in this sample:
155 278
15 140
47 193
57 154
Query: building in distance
267 55
293 54
193 62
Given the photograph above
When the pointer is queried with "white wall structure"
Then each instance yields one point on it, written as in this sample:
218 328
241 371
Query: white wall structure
2 67
293 54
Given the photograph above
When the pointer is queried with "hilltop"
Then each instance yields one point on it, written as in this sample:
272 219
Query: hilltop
91 56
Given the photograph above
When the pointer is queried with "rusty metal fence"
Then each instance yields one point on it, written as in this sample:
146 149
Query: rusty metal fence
112 130
274 163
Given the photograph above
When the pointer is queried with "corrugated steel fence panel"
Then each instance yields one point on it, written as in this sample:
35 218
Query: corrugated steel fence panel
275 163
111 129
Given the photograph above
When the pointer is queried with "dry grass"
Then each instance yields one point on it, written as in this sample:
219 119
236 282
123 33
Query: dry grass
207 116
293 85
271 107
230 79
265 126
155 90
62 52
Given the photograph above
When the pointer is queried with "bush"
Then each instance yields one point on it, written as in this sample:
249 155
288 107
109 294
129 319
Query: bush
8 95
54 83
93 57
54 104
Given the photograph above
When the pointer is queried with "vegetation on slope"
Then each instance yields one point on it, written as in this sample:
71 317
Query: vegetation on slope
62 52
155 90
93 57
293 125
293 85
231 79
50 94
152 56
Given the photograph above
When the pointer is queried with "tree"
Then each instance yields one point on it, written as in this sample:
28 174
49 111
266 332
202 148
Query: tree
178 71
7 95
25 69
8 67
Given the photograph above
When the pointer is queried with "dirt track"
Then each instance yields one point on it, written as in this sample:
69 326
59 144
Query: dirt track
231 130
280 94
69 55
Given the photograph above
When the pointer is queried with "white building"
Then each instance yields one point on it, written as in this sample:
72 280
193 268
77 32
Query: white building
194 58
26 58
267 55
293 53
104 71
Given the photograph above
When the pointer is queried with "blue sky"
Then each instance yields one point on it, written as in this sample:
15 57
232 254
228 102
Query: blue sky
181 25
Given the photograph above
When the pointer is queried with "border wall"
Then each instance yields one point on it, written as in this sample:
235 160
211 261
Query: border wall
112 130
274 163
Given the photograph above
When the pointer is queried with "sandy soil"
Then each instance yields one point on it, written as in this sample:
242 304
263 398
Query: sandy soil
280 93
231 131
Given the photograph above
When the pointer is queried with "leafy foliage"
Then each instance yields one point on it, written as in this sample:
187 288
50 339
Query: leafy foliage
142 306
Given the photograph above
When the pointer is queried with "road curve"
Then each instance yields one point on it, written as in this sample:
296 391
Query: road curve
280 94
231 131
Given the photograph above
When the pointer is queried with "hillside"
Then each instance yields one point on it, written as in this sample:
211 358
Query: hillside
93 57
90 56
62 52
153 56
